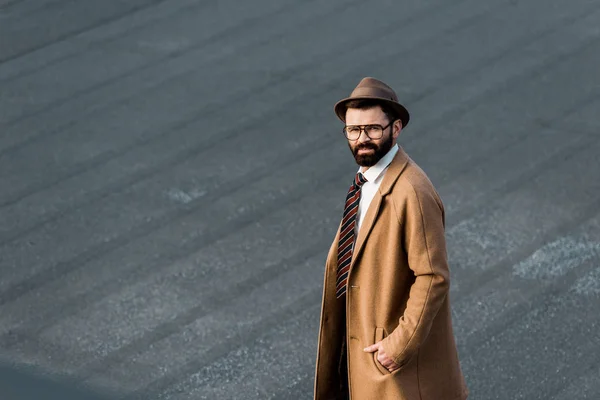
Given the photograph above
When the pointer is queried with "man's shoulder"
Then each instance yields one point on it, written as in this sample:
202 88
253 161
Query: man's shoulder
413 178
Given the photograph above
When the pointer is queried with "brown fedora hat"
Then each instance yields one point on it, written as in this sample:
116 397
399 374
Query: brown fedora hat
373 89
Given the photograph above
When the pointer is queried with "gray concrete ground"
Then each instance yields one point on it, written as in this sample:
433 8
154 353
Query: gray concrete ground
172 174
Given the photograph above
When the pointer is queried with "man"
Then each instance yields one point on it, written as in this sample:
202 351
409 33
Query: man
386 329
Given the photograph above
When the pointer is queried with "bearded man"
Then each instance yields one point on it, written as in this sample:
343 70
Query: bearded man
386 329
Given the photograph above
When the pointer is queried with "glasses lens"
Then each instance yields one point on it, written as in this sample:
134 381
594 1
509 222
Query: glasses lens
374 131
352 132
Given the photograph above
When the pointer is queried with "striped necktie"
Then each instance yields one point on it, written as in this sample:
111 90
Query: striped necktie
346 242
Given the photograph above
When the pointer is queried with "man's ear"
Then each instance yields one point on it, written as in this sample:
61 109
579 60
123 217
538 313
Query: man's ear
397 127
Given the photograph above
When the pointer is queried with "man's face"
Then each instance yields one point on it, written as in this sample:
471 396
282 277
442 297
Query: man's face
367 152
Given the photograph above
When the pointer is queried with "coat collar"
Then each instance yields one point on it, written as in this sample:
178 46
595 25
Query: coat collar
396 167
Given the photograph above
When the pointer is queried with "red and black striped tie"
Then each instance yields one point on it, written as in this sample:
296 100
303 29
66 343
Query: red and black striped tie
346 242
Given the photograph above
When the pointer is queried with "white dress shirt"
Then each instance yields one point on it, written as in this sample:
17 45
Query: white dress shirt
374 176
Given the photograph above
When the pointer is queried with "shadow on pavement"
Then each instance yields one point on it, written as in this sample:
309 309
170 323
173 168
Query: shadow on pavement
25 383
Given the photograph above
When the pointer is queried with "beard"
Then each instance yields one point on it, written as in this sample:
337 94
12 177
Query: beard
370 159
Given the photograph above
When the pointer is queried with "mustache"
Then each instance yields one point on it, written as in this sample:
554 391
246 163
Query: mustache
366 147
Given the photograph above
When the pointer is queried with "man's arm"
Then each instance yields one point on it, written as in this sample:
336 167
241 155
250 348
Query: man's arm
422 219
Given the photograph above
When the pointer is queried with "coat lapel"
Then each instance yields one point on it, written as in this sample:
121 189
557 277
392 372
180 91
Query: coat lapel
331 262
396 166
366 226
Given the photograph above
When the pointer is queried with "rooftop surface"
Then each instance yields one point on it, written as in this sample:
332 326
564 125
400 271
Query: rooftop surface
172 175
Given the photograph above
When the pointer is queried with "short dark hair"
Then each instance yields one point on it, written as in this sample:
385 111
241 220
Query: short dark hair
365 104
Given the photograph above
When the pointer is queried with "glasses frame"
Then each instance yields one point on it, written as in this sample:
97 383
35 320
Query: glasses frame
364 128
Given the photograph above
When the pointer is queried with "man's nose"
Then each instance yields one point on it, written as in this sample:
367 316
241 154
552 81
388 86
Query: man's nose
363 137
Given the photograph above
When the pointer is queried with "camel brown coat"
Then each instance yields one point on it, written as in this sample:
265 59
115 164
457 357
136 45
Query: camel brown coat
397 292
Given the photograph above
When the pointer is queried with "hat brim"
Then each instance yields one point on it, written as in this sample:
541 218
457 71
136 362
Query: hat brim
340 108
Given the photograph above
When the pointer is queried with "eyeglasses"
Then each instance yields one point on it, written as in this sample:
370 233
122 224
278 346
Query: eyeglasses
373 131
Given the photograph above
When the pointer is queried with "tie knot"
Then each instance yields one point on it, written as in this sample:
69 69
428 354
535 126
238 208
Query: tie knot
359 180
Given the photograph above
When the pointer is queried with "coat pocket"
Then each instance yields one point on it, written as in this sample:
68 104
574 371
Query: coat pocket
379 335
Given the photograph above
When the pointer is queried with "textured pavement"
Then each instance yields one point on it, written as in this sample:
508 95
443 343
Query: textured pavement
172 175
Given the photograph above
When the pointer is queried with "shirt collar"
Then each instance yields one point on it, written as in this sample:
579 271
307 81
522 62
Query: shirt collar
374 172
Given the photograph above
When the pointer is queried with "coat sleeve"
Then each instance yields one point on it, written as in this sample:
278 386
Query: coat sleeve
421 216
